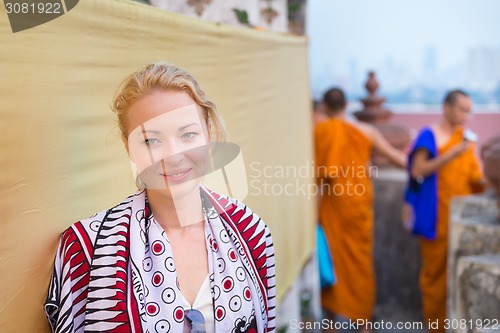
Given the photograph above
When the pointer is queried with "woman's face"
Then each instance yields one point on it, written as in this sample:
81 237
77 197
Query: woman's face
168 141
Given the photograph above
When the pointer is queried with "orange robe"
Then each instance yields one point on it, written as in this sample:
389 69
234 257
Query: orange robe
461 176
346 214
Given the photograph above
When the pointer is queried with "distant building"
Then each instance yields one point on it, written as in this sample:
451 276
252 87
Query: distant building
483 68
429 66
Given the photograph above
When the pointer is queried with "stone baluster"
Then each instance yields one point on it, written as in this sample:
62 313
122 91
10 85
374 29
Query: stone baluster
373 112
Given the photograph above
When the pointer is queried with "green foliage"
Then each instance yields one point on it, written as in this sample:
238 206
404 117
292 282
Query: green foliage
242 16
293 8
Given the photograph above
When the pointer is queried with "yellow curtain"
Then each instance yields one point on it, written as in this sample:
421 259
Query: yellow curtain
61 155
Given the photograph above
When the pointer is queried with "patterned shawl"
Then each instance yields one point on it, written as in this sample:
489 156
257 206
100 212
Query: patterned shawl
114 272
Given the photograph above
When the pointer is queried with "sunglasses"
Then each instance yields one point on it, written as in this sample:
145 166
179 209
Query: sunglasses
194 322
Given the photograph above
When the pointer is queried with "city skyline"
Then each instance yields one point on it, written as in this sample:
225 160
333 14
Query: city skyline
417 49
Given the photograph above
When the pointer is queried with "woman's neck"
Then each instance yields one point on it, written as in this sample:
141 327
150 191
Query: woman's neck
175 212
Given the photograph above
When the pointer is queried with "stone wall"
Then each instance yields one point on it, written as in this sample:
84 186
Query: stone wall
397 259
478 292
473 262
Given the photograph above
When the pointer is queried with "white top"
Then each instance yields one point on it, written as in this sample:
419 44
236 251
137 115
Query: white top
203 303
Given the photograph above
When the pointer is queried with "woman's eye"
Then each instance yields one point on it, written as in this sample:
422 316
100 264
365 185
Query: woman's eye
189 135
151 141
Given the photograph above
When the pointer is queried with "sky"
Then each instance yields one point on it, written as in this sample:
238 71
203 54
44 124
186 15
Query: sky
349 37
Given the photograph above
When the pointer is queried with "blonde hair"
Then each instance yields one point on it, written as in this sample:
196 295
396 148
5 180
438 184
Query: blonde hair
159 77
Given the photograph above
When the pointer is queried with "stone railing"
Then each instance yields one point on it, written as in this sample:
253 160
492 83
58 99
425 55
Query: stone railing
474 264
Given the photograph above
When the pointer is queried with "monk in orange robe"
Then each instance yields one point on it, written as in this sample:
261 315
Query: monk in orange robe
319 115
458 173
343 152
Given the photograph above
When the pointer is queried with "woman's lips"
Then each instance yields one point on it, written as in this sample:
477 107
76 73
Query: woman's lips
177 176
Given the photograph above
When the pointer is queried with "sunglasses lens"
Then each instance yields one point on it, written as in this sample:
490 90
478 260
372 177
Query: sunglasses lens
194 322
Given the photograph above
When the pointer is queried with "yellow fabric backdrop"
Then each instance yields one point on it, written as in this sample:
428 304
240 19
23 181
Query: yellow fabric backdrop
61 156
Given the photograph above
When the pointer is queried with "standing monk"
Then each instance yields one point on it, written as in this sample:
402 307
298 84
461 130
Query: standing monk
442 164
343 152
319 115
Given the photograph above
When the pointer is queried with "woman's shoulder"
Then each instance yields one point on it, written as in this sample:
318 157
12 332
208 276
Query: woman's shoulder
81 234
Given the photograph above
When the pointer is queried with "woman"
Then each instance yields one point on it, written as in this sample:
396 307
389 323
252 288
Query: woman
174 256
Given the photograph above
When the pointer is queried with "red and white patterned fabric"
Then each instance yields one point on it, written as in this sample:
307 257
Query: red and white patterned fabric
114 272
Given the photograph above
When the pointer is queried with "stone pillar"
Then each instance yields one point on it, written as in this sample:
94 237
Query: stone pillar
490 154
373 112
473 259
396 254
478 293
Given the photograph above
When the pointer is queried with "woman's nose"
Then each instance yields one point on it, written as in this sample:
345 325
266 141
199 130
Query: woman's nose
174 158
173 152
